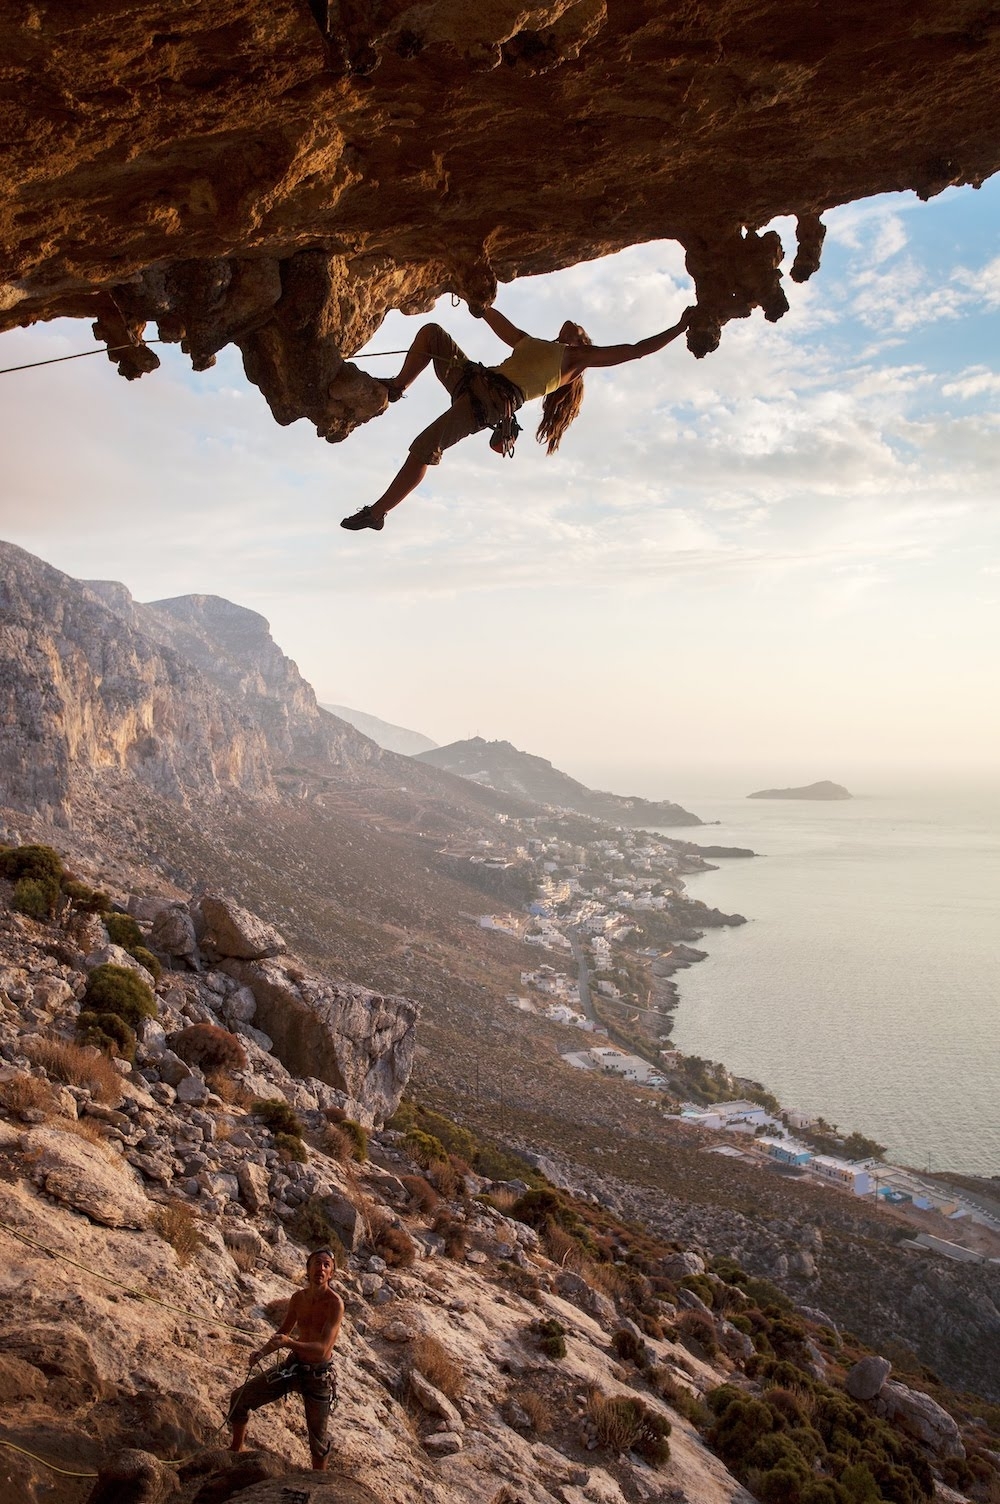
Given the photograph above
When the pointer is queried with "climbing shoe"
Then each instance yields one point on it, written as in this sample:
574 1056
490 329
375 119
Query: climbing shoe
392 391
365 518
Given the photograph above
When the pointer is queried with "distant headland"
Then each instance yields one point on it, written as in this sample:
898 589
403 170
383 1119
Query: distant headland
822 790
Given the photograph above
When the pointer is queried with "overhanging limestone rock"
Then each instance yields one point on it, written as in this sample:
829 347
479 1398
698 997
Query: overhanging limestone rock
280 176
356 1040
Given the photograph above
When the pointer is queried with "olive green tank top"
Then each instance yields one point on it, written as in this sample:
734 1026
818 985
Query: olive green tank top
535 365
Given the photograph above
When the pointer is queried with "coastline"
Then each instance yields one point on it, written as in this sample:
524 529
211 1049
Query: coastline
869 958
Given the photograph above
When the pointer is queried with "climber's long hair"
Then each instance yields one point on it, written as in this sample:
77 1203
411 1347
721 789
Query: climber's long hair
561 406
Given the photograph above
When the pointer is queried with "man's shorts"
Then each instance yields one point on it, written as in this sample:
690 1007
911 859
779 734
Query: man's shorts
316 1384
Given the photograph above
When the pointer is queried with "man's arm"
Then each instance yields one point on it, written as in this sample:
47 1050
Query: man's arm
280 1338
583 357
502 328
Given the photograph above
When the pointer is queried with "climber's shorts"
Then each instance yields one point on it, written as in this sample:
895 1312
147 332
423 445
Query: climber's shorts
314 1381
450 367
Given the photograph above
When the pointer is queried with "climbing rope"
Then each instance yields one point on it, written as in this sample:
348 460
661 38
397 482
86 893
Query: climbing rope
113 350
128 1289
177 1462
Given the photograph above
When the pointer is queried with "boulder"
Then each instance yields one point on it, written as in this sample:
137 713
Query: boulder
138 1477
301 1488
432 1400
234 932
81 1175
866 1378
173 933
575 1288
922 1417
677 1265
253 1183
356 1040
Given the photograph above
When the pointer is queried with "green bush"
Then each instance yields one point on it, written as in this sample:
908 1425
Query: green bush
625 1424
424 1148
291 1147
40 862
118 989
123 930
85 900
107 1032
146 958
551 1336
36 897
276 1114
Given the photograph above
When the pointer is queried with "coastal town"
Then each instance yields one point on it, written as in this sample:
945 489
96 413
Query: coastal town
608 913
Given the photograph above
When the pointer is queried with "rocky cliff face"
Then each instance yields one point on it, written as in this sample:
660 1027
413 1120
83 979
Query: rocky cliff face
235 651
81 689
279 177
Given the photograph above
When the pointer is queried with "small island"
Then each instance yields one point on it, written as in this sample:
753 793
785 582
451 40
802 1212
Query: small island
823 790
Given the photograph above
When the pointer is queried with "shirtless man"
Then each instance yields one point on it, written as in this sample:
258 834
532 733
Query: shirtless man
314 1315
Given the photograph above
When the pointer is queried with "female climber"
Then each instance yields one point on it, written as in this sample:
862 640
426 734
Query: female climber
489 396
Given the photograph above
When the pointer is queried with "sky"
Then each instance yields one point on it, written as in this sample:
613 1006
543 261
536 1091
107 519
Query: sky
770 566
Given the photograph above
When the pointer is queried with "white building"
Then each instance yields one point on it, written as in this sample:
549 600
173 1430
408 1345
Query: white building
852 1177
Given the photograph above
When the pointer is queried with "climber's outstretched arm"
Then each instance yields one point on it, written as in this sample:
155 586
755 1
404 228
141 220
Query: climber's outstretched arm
584 357
502 328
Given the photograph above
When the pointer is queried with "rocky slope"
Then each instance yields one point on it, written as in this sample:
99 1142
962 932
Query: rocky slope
279 177
501 766
154 1226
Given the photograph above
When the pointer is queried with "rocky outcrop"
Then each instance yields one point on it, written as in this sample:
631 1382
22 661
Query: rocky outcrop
921 1417
867 1376
234 933
279 177
235 651
356 1040
82 690
79 1174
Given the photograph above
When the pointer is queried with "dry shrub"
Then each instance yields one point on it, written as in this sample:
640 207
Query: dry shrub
522 1281
422 1193
78 1065
244 1258
87 1128
26 1093
502 1199
445 1179
448 1227
178 1226
625 1424
561 1247
432 1359
607 1278
214 1051
537 1408
698 1326
390 1241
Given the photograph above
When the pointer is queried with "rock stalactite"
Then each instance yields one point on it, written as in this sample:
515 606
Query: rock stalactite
279 177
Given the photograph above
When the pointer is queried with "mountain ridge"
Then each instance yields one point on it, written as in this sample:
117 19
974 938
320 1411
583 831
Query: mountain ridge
501 765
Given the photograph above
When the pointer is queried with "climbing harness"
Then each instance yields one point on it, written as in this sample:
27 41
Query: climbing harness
477 380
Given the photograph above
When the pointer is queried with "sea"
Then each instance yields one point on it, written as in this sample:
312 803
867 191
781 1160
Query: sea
865 985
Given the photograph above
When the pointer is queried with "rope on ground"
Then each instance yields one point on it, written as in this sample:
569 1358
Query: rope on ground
128 1289
179 1462
35 1458
56 360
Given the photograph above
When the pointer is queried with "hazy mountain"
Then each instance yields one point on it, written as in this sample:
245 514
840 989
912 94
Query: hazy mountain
393 738
501 766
